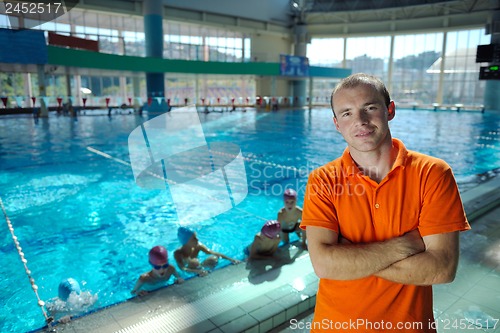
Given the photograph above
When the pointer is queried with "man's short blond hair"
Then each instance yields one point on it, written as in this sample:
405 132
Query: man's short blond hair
358 79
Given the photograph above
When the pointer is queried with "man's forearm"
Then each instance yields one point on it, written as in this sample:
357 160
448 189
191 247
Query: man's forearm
355 261
434 266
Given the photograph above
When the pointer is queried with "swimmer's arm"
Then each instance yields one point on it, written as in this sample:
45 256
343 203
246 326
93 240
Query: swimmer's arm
276 245
180 263
279 217
299 215
138 285
177 275
335 260
437 264
179 260
218 254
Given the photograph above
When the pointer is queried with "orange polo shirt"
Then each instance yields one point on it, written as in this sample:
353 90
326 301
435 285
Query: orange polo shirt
419 192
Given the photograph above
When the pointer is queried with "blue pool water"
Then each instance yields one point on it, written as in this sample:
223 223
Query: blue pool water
79 214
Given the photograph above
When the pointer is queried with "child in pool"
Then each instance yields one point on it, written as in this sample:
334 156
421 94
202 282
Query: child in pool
187 255
265 242
289 216
162 271
71 301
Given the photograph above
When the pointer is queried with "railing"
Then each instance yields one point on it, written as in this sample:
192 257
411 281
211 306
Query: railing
27 104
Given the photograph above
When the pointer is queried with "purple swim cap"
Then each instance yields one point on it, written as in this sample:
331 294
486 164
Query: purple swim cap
158 255
271 229
290 194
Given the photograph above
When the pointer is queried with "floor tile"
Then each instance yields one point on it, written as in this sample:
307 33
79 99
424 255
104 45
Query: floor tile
241 324
485 296
228 316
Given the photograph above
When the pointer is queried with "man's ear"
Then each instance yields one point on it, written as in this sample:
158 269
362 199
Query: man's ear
392 110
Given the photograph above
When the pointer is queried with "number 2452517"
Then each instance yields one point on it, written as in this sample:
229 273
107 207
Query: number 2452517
32 8
465 324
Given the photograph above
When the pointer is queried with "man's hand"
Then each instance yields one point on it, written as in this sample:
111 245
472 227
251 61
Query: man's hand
436 264
414 243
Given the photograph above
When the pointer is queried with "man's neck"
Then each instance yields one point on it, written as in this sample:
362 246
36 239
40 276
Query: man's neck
376 164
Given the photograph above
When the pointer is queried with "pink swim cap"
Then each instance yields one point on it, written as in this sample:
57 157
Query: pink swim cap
290 194
271 229
158 255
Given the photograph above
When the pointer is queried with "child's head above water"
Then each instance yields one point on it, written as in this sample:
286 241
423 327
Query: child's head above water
184 234
66 287
271 229
158 256
290 193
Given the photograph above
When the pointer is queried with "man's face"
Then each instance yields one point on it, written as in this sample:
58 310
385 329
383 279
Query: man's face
362 117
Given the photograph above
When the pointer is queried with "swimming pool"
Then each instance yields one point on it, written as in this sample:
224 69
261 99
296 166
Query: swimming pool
79 214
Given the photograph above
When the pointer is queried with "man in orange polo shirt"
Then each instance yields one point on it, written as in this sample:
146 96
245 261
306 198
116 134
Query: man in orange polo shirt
382 221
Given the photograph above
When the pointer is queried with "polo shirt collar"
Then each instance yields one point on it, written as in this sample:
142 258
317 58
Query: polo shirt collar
351 168
402 154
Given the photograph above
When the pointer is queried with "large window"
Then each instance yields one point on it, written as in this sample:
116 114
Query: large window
134 44
461 84
414 55
8 22
326 52
191 42
418 63
368 55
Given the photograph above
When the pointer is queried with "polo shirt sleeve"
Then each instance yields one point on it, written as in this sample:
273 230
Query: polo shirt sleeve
442 209
318 209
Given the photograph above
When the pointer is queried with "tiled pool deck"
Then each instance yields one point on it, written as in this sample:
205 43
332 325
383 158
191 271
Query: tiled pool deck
264 296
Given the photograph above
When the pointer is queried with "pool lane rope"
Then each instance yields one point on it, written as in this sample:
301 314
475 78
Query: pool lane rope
41 303
169 181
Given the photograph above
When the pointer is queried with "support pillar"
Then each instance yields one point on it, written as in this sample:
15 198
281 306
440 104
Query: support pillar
136 92
42 90
299 86
67 77
28 91
440 90
153 30
311 92
123 89
68 104
391 65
